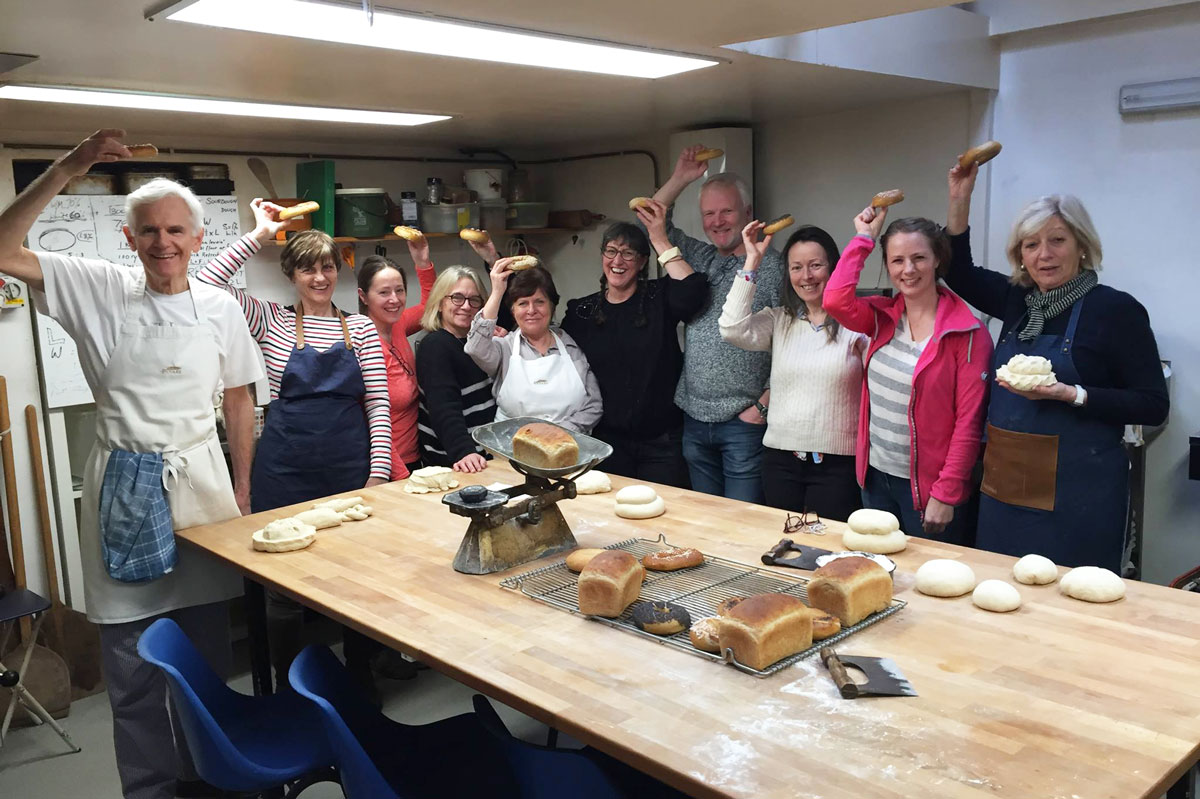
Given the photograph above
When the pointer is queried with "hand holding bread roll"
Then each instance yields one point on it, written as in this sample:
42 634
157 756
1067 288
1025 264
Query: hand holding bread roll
142 150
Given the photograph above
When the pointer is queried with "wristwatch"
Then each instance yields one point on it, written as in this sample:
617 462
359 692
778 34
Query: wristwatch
1080 396
762 409
669 255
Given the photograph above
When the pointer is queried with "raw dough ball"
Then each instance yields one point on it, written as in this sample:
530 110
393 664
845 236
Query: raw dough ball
284 535
429 479
894 541
943 577
593 482
869 521
357 513
319 517
1035 570
339 504
636 495
996 596
1092 584
647 510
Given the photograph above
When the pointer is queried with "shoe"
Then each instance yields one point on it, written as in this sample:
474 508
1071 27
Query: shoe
391 665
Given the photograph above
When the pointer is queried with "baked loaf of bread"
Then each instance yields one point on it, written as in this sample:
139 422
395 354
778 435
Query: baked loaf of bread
609 583
766 628
850 589
544 446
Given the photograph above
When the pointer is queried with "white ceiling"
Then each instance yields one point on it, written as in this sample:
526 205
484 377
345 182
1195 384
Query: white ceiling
109 43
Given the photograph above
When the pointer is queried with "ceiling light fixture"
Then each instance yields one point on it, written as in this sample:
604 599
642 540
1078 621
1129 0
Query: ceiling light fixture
203 105
420 33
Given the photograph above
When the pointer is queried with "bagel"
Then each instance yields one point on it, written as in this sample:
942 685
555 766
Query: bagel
638 202
475 235
523 262
670 560
778 223
142 150
709 154
885 198
299 210
661 618
409 233
980 155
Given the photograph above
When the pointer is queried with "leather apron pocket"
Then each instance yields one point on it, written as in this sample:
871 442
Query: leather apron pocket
1020 468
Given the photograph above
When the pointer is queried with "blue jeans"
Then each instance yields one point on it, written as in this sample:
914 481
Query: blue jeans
725 458
894 494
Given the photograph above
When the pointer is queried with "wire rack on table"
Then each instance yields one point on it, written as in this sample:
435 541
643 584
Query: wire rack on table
699 589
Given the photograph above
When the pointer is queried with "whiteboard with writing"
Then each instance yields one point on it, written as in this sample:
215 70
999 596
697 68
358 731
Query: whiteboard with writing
89 226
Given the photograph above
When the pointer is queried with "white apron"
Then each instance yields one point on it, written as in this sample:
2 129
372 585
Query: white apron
156 395
548 387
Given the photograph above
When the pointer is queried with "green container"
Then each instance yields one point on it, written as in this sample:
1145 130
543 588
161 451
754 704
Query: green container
314 181
361 213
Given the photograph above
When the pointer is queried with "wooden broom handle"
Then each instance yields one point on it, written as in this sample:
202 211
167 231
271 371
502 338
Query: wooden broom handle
10 487
43 505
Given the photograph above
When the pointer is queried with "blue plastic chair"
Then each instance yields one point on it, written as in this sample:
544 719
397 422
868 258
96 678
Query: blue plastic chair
248 744
546 773
378 758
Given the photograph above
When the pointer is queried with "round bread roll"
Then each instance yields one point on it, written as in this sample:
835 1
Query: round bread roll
996 596
523 262
593 482
637 202
408 233
705 634
777 224
475 235
581 557
885 198
645 510
944 577
709 154
142 150
726 605
670 560
869 521
1092 584
824 625
661 618
1035 570
894 541
636 495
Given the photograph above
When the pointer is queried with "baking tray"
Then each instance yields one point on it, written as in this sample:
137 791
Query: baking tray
496 438
698 589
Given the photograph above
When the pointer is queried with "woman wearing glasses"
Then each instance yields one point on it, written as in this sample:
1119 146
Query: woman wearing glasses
816 377
455 395
382 296
627 330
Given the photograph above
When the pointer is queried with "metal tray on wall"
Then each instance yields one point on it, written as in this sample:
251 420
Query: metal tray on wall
496 438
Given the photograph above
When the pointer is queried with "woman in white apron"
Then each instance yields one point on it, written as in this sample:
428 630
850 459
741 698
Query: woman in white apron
155 348
538 370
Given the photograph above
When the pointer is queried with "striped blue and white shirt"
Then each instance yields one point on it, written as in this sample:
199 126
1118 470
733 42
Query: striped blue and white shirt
889 380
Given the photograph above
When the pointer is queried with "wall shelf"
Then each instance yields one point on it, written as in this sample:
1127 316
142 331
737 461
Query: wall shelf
394 237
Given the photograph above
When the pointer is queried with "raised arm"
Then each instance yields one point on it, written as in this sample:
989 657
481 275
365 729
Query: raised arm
985 289
740 327
654 218
841 300
687 170
410 320
18 218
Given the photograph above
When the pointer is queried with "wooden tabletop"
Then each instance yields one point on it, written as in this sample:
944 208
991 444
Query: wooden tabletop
1059 699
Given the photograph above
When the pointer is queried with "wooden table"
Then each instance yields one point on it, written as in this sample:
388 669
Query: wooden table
1059 699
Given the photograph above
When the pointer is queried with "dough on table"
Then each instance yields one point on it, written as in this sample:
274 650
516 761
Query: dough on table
593 482
636 495
1035 570
869 521
357 513
945 578
639 502
339 504
996 596
894 541
429 479
319 517
1092 584
283 535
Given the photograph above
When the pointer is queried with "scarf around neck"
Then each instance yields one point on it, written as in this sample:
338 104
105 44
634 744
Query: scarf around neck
1044 306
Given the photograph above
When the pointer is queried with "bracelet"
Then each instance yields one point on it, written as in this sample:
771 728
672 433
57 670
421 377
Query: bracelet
669 255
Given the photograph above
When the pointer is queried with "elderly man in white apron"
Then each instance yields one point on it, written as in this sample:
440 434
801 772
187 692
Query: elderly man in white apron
155 348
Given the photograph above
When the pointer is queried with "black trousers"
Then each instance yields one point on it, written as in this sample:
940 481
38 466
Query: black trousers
656 460
828 489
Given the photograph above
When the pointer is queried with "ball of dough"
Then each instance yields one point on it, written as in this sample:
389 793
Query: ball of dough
996 596
1035 570
636 495
869 521
894 541
943 577
593 482
1092 584
1029 365
646 510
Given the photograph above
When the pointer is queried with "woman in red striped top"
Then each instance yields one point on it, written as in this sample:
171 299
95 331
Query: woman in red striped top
382 294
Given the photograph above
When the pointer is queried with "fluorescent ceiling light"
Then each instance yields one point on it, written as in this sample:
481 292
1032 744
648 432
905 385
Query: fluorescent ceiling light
426 34
204 105
1163 95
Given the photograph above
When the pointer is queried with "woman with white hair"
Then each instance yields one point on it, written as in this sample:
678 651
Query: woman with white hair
1056 477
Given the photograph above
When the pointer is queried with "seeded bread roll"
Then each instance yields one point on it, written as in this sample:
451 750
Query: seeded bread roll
766 628
523 262
611 582
544 446
850 589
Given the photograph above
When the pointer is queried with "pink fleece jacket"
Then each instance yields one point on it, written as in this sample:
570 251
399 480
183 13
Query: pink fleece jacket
950 382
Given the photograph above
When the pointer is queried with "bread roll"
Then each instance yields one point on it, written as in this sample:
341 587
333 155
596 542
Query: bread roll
885 198
409 233
705 634
980 155
709 154
142 150
477 236
637 202
766 628
299 210
851 589
523 262
778 223
545 446
670 560
580 558
611 582
825 625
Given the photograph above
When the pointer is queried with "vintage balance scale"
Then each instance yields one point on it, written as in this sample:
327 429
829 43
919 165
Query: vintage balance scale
503 535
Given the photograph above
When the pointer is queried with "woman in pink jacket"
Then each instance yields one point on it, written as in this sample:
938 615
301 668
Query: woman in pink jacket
925 395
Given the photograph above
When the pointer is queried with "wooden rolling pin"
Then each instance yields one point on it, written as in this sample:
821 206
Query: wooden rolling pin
299 210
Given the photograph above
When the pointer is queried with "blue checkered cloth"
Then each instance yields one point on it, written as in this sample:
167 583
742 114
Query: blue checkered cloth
137 539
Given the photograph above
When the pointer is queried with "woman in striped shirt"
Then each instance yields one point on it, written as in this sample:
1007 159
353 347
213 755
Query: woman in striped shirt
923 402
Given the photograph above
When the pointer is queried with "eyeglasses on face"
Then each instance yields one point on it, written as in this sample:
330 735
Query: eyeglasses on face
807 522
459 299
627 256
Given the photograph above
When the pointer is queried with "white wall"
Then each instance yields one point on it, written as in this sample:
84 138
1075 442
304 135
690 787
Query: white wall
1057 116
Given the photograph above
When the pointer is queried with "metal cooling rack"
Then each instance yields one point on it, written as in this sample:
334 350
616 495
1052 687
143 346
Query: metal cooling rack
699 589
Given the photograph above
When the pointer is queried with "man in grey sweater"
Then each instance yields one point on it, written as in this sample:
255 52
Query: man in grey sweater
723 390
